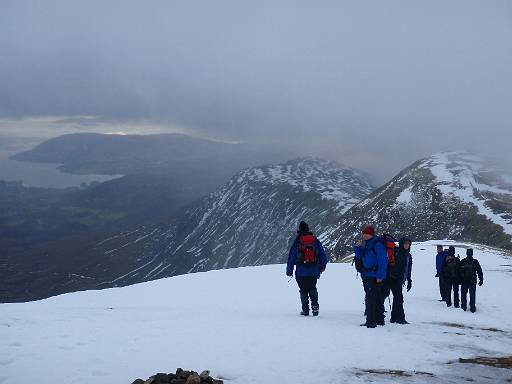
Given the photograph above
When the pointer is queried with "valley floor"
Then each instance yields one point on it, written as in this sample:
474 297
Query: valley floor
243 325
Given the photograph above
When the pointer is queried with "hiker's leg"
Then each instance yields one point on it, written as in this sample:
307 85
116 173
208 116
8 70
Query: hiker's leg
472 297
384 292
397 313
372 300
448 293
442 288
463 296
303 289
313 294
456 295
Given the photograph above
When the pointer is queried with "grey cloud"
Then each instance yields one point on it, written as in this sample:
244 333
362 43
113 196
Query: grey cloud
381 83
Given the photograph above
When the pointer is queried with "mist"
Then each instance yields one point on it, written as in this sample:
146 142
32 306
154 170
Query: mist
375 85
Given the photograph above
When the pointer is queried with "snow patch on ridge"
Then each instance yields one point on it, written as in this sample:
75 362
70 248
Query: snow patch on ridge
457 173
330 179
405 196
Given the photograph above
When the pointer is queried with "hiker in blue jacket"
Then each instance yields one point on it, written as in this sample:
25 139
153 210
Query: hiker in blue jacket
308 254
372 261
440 258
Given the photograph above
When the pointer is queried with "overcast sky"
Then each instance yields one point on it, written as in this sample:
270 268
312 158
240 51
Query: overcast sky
374 84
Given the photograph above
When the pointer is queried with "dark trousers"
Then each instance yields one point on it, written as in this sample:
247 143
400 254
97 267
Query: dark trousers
452 286
442 288
471 287
397 312
307 289
374 301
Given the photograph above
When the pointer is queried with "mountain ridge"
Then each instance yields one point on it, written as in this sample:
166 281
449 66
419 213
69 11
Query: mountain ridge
447 195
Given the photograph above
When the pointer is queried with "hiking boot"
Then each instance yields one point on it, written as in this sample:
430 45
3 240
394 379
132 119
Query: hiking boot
392 321
304 313
371 326
456 305
381 322
402 322
473 310
315 309
464 308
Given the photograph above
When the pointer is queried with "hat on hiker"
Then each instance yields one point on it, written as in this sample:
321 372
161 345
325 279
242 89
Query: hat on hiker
369 230
303 227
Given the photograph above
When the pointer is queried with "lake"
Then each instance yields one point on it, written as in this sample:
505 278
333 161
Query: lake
41 175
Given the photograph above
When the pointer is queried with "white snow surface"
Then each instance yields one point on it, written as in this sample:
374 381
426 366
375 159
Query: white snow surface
243 325
405 196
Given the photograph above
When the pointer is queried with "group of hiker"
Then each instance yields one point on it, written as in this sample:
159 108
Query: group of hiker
453 273
385 269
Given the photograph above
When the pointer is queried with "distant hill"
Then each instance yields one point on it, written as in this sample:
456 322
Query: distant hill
93 153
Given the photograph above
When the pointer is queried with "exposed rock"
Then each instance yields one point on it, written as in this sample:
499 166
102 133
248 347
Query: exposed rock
204 375
180 377
193 379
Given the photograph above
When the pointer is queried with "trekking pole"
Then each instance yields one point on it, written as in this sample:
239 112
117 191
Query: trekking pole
290 280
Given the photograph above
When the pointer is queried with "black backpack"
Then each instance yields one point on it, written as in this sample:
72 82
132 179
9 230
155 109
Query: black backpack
451 268
397 271
467 272
359 265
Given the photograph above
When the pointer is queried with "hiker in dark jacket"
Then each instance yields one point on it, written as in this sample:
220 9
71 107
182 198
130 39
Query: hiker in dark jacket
451 277
308 254
372 261
440 258
397 276
469 270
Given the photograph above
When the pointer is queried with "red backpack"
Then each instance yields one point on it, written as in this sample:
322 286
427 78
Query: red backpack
307 250
389 244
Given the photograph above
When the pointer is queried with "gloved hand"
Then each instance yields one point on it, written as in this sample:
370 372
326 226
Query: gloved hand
289 274
409 285
322 270
480 283
437 275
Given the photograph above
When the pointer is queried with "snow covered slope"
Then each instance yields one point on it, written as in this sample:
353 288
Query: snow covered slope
243 324
250 221
448 195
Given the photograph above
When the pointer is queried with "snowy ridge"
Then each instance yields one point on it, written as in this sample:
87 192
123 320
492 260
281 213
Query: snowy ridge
249 221
98 336
447 195
330 179
466 176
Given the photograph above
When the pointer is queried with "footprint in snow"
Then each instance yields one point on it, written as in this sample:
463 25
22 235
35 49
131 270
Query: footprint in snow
4 362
